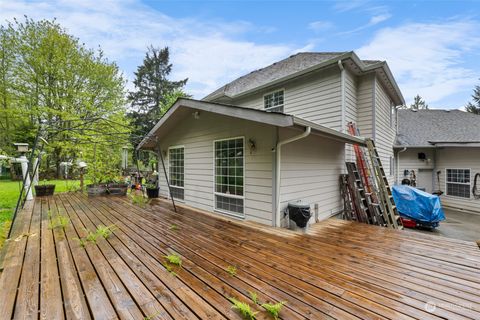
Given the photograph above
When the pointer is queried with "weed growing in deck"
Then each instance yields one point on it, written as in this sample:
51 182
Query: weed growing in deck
174 259
170 269
174 227
153 316
91 236
254 297
82 242
232 270
105 232
60 221
274 309
243 308
138 199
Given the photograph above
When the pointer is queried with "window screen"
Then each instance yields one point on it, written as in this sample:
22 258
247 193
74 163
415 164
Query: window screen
229 166
274 101
177 167
458 182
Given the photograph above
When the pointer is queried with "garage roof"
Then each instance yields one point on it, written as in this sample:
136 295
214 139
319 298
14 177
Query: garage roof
423 128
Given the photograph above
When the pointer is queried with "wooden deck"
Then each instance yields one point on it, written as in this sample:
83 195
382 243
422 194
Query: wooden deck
339 270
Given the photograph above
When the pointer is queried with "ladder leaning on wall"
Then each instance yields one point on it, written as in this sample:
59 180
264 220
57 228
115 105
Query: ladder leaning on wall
387 204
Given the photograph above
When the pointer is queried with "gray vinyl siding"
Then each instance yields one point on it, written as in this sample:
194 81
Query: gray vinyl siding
442 159
384 131
310 172
197 137
408 160
315 97
458 158
365 104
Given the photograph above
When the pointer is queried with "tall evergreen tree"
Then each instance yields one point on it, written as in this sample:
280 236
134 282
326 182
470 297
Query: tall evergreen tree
418 103
153 91
474 107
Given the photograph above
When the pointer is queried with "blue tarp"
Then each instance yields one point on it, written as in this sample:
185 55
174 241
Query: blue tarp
418 205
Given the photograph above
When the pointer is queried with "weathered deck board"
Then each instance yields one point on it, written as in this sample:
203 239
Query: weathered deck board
338 270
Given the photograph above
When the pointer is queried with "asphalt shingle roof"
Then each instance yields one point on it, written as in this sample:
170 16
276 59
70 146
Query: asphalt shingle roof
278 70
422 127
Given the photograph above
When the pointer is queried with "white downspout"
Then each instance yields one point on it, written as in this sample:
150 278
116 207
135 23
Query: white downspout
342 93
278 150
398 164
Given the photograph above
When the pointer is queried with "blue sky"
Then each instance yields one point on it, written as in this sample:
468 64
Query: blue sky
431 47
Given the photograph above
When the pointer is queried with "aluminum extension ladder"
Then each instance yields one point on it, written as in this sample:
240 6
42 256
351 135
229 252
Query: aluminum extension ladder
389 209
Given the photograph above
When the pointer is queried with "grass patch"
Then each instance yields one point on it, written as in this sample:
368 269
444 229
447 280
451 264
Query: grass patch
9 191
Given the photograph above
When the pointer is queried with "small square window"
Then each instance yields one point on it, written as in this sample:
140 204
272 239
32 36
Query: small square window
274 101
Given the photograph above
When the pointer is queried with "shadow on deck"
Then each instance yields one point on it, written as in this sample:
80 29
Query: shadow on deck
339 270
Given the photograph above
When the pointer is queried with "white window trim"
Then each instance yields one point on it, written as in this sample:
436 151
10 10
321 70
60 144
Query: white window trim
393 111
215 193
169 180
268 93
469 184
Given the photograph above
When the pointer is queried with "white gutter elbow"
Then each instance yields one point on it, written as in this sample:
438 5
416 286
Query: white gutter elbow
278 171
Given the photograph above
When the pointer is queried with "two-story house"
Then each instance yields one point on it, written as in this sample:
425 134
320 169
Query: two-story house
276 135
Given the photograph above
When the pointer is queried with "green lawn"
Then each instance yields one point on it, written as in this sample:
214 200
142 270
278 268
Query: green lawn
9 191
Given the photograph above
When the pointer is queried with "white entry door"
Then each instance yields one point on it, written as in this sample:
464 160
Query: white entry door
424 179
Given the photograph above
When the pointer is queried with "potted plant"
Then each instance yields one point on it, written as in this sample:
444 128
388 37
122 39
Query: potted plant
44 189
96 189
99 185
152 190
117 188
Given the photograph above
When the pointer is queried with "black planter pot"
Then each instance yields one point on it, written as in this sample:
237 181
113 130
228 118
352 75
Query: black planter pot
117 189
152 192
44 190
96 189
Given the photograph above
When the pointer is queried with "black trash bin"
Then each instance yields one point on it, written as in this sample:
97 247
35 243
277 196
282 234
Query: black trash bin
299 213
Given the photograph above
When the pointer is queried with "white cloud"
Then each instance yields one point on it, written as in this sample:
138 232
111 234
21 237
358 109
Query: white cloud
428 58
210 53
320 26
343 6
379 18
374 20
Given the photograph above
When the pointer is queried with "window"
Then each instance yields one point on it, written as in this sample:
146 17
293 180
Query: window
458 182
176 172
274 101
392 114
229 184
392 166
